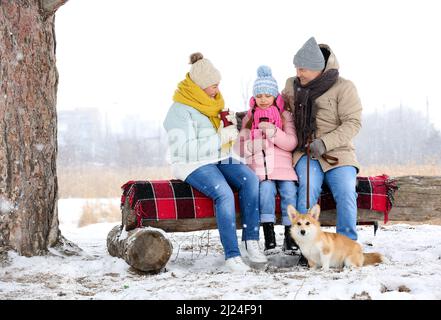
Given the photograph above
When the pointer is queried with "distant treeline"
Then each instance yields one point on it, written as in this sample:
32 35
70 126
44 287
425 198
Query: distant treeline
86 137
400 136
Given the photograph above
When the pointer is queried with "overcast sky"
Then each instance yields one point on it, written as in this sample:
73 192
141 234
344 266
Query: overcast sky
127 56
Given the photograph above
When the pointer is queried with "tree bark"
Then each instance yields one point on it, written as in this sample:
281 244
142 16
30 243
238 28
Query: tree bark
28 127
418 199
48 7
144 249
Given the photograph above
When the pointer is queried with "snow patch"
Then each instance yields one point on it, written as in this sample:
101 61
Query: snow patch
196 269
124 234
6 207
39 147
19 56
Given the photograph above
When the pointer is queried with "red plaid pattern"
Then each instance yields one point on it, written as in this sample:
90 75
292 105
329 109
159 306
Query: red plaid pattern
175 199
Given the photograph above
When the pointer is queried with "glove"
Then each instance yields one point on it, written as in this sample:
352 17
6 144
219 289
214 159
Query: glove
256 145
227 134
232 118
268 129
317 148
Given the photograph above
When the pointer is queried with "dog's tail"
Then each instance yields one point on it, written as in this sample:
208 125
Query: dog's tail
372 258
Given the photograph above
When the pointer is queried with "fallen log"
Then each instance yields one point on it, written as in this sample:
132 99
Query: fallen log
145 249
418 199
327 218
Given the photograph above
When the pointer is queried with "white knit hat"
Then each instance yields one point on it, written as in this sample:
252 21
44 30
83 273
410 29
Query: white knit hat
202 71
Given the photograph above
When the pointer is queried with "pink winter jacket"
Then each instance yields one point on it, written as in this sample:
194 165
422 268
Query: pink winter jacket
277 162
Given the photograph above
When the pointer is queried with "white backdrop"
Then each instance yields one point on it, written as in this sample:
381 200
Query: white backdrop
127 56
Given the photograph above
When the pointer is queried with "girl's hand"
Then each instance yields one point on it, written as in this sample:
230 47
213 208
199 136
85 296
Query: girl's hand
268 129
256 145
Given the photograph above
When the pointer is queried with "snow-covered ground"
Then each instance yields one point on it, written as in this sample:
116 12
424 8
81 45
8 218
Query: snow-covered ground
195 270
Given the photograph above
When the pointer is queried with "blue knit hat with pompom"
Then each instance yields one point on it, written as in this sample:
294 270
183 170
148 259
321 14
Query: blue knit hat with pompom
265 83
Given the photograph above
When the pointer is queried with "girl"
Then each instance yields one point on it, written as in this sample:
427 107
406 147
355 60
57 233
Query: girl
199 145
268 138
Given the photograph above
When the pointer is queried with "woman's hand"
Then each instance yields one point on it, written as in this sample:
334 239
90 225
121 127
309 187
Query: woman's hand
231 117
227 134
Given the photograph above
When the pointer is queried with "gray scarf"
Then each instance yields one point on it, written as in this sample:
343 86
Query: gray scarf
305 108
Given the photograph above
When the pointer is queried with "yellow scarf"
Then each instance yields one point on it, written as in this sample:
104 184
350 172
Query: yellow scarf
190 94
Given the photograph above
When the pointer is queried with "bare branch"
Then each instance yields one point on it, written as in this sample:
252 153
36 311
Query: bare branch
48 7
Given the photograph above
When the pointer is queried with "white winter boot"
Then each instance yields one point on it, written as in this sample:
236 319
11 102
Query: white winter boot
236 264
252 250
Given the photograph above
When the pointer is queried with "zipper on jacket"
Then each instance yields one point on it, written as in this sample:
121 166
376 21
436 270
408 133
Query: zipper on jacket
264 164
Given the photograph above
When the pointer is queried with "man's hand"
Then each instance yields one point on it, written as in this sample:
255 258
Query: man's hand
317 148
268 129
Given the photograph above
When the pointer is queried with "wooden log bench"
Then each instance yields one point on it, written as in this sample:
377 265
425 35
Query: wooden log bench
151 208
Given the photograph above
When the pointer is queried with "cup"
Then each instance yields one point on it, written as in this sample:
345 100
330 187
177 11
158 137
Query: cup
223 116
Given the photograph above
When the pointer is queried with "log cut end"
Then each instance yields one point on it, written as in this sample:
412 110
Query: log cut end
145 249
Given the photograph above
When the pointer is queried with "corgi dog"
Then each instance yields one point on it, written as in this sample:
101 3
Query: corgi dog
326 249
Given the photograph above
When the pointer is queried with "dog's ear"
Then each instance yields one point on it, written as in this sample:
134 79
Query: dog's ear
292 212
315 211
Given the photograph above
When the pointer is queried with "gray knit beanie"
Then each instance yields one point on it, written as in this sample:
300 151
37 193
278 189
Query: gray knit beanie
310 56
202 71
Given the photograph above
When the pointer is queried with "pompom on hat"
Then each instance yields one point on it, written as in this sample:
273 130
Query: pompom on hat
265 83
202 71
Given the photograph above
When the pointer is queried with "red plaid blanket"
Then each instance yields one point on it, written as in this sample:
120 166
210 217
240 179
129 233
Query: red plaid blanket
175 199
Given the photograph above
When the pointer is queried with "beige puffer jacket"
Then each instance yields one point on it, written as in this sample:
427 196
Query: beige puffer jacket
338 118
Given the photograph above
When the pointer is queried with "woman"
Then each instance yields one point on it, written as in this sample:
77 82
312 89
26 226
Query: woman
199 147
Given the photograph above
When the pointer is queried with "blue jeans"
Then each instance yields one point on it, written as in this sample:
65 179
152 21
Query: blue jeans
341 181
214 181
268 192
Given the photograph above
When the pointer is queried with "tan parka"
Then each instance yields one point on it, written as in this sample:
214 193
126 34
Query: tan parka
338 118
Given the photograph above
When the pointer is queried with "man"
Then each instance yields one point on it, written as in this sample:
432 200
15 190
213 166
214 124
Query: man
327 114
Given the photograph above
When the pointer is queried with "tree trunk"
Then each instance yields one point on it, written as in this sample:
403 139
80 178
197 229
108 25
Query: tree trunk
28 126
143 249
